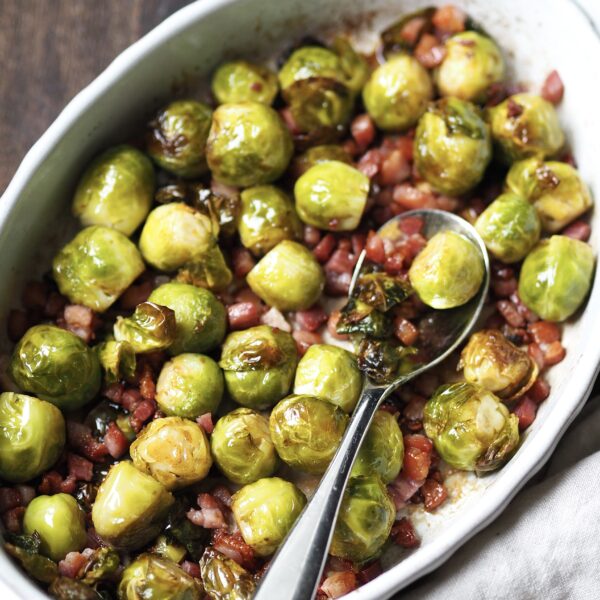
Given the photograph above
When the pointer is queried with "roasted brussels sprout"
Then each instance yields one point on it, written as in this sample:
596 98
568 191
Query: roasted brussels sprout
448 272
130 508
174 451
248 144
55 365
200 317
364 521
153 577
452 146
525 126
470 427
242 81
117 360
96 267
494 363
555 189
330 373
265 511
223 578
397 93
471 65
307 431
259 365
26 550
332 195
169 549
177 138
189 385
510 227
288 277
115 190
32 436
309 62
267 217
383 360
354 66
382 450
319 154
59 522
556 277
242 447
151 327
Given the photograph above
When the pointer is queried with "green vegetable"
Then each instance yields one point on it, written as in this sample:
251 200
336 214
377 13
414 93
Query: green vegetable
330 373
26 549
59 522
130 507
242 81
115 190
181 530
200 317
288 277
177 138
248 144
57 366
510 227
383 360
357 317
151 327
332 195
224 579
470 427
307 431
189 385
556 277
102 565
381 291
265 511
365 520
168 549
65 588
32 436
242 446
317 155
448 272
96 267
117 360
175 451
452 146
258 365
397 93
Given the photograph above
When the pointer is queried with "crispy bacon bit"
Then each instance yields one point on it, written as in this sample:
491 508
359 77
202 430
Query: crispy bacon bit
80 468
578 230
394 169
80 321
363 131
191 568
50 483
429 52
71 564
417 457
434 494
537 354
553 353
337 284
402 489
68 485
539 391
147 385
115 441
206 422
514 109
332 322
405 331
130 399
370 163
242 262
553 88
525 410
27 494
135 294
210 515
449 19
143 412
223 495
305 339
312 236
243 315
409 197
274 318
339 584
510 313
404 534
17 324
13 519
412 30
233 546
375 248
544 332
370 572
324 248
312 318
503 288
114 392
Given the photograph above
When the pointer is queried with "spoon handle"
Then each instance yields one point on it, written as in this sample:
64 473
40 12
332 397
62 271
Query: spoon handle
296 569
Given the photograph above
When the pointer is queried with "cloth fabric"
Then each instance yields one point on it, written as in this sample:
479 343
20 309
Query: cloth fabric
546 544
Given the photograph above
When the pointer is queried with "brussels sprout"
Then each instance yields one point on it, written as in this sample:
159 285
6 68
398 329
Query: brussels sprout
242 81
288 277
330 373
383 360
307 431
242 447
555 189
177 138
397 93
130 507
471 65
117 360
448 272
153 577
259 365
452 146
200 317
353 64
332 195
248 144
102 565
223 578
365 520
267 217
96 267
525 125
494 363
358 317
510 227
189 385
556 277
265 511
65 588
319 154
151 327
382 450
470 427
179 529
395 37
211 272
174 451
55 365
381 291
164 547
32 436
59 522
115 190
26 549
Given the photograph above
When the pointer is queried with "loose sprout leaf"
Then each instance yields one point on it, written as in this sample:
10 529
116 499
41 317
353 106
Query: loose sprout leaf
102 565
224 579
117 360
394 38
257 353
383 360
65 588
180 529
354 65
211 271
28 543
25 549
381 291
361 318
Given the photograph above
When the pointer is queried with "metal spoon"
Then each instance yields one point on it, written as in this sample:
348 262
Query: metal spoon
296 568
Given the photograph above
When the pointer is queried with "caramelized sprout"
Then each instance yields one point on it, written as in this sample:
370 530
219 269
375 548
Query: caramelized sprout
223 578
242 81
151 327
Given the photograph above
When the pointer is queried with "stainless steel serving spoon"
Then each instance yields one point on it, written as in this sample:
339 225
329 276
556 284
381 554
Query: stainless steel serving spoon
296 568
